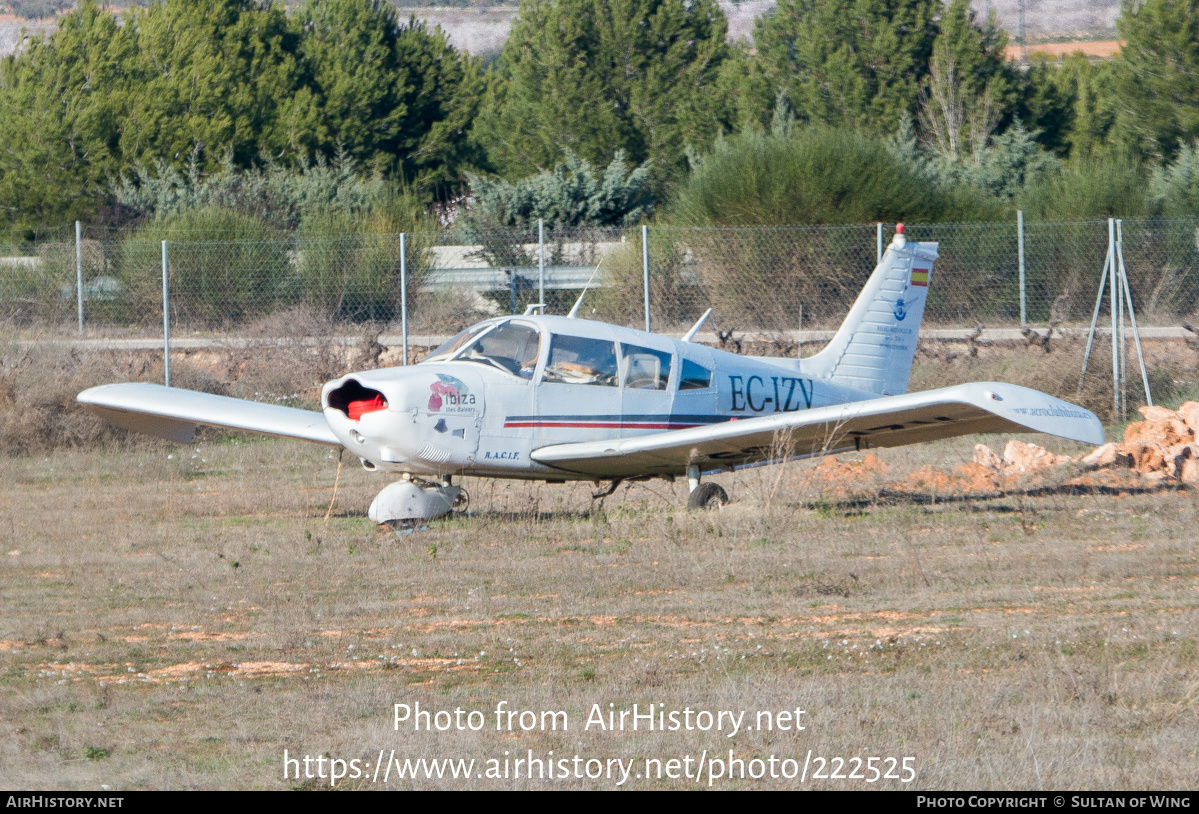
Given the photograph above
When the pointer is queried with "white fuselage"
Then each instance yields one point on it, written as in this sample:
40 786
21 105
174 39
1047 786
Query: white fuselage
470 415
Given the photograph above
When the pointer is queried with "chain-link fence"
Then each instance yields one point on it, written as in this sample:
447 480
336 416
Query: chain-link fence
754 279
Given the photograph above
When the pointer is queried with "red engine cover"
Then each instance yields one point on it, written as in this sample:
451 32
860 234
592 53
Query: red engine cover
357 409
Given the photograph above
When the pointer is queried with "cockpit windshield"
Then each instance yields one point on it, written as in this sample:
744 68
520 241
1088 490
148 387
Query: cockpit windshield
455 343
512 347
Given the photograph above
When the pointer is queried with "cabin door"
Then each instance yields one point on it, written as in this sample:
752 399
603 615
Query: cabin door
578 398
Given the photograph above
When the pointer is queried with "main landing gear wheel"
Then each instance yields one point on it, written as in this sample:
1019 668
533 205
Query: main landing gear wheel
708 496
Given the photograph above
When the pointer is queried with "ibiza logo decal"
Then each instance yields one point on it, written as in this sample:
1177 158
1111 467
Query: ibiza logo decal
899 311
450 395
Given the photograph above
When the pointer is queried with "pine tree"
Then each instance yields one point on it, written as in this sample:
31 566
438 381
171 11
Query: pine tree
1158 74
350 47
978 50
745 88
224 74
1074 102
1046 106
849 62
442 97
970 91
398 97
62 102
598 76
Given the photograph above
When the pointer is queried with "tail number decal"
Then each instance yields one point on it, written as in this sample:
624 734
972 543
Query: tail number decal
781 394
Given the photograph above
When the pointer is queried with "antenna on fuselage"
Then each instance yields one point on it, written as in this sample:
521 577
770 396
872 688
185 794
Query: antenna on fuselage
699 323
574 312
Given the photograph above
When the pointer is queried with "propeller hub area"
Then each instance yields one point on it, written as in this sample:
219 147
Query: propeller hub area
363 415
418 420
354 400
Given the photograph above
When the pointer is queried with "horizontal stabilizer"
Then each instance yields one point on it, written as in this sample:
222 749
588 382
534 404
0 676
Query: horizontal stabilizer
889 421
174 413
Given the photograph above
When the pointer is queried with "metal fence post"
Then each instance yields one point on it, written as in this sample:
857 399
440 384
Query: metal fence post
878 239
404 296
541 261
1020 243
166 319
645 270
1120 322
79 272
1111 243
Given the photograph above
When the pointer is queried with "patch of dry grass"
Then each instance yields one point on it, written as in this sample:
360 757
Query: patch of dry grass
188 612
39 383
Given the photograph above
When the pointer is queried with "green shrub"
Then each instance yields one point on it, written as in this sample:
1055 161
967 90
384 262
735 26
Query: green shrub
1174 188
817 175
225 267
38 288
620 297
1108 187
349 265
785 180
1067 238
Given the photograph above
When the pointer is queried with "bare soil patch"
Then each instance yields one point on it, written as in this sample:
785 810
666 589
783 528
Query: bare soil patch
1099 49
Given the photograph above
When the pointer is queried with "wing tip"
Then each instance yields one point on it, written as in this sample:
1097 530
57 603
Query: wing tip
1094 434
88 396
1098 437
1089 429
92 395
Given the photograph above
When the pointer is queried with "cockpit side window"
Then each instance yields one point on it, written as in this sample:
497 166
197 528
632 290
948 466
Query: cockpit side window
512 347
578 360
694 376
645 368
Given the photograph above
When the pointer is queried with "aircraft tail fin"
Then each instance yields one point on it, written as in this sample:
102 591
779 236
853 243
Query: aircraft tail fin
874 348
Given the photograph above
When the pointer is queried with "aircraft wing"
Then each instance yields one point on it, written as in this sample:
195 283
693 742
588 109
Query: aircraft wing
889 421
174 413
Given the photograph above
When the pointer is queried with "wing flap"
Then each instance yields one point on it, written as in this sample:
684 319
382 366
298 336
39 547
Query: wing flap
174 413
890 421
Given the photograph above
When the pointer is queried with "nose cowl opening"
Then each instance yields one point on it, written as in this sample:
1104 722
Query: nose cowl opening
356 401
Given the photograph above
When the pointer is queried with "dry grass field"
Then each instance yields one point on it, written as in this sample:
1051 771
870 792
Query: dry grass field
177 617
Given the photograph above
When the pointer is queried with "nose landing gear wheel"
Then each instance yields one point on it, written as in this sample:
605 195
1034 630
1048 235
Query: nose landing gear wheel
707 496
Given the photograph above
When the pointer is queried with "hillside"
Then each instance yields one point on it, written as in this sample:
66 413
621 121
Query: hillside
482 28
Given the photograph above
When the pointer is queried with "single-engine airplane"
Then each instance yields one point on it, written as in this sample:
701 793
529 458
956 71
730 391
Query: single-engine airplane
556 398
